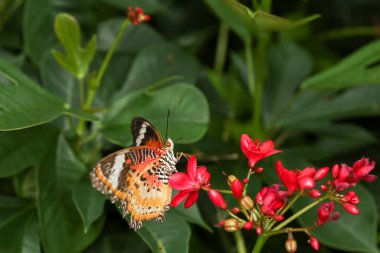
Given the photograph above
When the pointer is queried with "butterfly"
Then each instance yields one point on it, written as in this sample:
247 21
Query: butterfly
138 177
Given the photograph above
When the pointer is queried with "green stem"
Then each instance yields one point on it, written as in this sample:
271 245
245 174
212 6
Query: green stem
240 243
260 243
348 32
96 83
299 213
221 48
285 209
248 177
81 92
224 191
250 67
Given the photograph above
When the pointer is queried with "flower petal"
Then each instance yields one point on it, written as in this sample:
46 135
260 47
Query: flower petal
193 196
192 167
246 144
180 181
179 198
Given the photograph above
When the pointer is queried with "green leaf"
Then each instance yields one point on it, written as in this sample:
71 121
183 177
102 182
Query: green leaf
19 226
193 215
59 218
165 63
171 236
77 59
360 68
89 202
23 103
350 233
23 148
188 120
135 38
37 28
313 106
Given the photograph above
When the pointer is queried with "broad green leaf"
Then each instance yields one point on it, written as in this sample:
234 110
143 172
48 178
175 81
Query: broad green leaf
149 6
38 30
23 103
19 226
193 215
237 16
171 236
188 120
23 148
360 68
313 106
160 63
77 59
135 38
350 233
58 216
89 202
288 65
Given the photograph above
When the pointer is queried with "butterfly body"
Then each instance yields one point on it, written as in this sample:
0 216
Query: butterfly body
137 177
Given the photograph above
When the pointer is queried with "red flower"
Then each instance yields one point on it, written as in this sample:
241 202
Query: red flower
136 15
256 150
345 176
217 199
351 208
325 213
189 184
237 188
302 179
271 199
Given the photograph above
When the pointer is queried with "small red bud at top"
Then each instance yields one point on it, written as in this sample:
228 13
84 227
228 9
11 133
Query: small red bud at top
245 181
314 193
235 210
323 187
248 225
136 15
217 199
259 170
314 243
221 223
321 173
259 230
278 217
351 208
336 216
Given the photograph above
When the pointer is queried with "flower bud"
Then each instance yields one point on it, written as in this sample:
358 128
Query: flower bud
314 243
335 171
246 202
217 199
230 179
351 208
324 188
231 225
321 173
314 193
237 188
245 181
235 210
259 170
291 245
248 225
221 223
259 230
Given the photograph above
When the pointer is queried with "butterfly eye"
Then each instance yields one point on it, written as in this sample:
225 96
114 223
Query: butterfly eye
168 144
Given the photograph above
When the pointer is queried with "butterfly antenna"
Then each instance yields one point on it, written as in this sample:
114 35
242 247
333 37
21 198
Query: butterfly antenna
167 124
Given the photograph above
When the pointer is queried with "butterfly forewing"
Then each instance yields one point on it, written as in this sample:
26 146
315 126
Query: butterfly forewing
137 177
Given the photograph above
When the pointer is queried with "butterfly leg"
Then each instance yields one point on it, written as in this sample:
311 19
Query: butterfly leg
179 155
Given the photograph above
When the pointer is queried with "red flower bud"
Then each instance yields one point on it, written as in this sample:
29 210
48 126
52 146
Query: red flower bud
259 230
259 170
217 199
323 187
335 171
314 193
321 173
351 208
245 181
306 183
314 243
237 188
248 225
235 210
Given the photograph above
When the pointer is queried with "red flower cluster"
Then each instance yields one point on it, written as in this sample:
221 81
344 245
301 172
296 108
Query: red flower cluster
255 150
136 15
345 176
325 213
271 199
189 185
300 179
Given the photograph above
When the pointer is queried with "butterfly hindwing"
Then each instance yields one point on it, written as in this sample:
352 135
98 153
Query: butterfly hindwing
145 134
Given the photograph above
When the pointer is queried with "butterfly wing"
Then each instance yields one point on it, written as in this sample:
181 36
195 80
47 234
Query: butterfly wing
129 177
145 134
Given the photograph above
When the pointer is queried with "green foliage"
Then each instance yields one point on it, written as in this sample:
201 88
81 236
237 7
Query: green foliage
64 106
